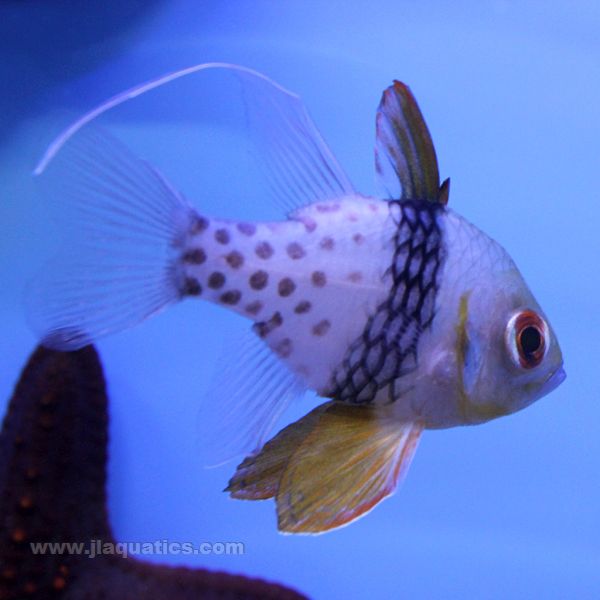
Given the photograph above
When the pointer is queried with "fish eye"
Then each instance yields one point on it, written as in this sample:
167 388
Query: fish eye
527 339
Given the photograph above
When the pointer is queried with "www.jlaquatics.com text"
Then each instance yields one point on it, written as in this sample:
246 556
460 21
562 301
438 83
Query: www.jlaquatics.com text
94 548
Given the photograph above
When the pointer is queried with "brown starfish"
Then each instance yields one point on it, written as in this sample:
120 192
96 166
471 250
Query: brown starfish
53 451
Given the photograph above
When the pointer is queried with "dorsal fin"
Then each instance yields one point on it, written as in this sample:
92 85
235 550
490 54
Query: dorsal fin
405 158
299 165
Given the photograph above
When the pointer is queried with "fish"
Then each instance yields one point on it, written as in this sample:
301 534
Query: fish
397 311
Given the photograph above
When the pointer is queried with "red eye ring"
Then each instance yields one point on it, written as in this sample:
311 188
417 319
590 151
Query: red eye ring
527 339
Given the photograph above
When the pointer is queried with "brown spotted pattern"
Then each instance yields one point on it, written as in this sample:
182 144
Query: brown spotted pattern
254 307
328 208
259 280
309 224
198 225
319 279
295 251
231 297
216 280
327 243
264 328
322 327
264 250
302 307
191 287
222 236
195 256
284 348
235 259
286 287
248 229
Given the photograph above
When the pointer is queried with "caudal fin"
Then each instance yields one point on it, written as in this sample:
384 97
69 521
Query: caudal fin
329 468
123 225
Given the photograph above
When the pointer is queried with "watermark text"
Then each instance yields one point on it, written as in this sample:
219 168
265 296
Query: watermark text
94 548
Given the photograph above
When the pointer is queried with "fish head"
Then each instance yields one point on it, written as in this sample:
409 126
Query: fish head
507 352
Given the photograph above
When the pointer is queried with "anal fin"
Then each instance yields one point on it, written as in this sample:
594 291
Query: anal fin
330 467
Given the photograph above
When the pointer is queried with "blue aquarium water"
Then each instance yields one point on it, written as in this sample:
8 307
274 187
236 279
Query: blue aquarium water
509 509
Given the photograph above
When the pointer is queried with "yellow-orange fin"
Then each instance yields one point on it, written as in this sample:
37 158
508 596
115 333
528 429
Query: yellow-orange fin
351 460
258 476
328 468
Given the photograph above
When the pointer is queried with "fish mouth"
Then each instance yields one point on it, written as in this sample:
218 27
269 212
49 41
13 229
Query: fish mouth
553 381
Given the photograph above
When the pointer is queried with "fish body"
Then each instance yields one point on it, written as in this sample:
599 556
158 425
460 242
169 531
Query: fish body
340 277
397 310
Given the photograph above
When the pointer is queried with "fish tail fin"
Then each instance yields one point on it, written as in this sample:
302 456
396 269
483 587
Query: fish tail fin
124 226
328 468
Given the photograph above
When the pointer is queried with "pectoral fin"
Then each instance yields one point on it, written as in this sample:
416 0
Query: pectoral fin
330 467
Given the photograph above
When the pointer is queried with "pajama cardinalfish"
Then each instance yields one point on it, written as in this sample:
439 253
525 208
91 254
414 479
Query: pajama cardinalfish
397 310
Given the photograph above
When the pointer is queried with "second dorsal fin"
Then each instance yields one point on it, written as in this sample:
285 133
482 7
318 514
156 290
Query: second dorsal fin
299 166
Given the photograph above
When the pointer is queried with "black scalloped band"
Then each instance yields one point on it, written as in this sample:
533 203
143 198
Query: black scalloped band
387 348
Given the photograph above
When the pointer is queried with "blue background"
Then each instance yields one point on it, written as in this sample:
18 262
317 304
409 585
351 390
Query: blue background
511 94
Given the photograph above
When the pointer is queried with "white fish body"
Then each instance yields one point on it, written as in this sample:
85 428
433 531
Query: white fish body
399 310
